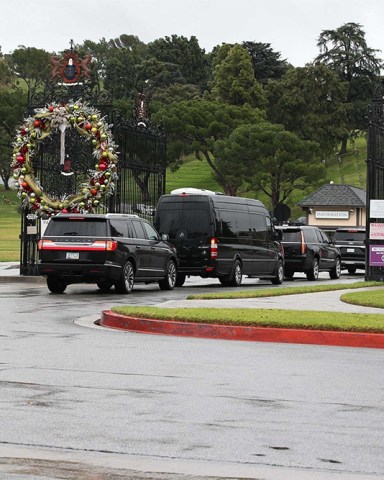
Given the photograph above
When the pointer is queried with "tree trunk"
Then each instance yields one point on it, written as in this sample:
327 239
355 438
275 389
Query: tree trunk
343 148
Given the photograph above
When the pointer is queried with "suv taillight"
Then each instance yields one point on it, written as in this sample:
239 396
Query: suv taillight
98 245
108 245
42 243
303 244
214 248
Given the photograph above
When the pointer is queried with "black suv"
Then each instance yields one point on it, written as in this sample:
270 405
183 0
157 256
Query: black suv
351 242
309 250
110 249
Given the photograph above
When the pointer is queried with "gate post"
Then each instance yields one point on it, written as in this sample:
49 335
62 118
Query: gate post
29 237
374 262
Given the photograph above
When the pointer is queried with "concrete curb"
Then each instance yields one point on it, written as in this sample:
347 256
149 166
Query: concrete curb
230 332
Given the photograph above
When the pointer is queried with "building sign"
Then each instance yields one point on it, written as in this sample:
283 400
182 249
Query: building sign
376 255
332 215
376 231
376 209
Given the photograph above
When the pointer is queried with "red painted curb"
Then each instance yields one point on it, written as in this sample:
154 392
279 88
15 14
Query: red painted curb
232 332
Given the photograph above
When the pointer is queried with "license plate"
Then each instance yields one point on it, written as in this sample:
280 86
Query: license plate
350 250
72 255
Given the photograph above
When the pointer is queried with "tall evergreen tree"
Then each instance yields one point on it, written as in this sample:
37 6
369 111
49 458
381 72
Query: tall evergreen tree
345 50
267 64
233 78
311 102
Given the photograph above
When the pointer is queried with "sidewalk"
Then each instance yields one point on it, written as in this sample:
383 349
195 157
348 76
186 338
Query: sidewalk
10 272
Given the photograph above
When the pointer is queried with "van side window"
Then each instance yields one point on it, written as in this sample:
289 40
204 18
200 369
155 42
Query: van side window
138 229
242 224
151 232
228 223
119 227
259 226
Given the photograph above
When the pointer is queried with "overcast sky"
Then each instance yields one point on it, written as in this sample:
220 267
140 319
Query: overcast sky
292 27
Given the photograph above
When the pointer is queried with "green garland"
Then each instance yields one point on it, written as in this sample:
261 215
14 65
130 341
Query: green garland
88 122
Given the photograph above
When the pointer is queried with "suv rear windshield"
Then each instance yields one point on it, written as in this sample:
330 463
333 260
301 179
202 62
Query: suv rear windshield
77 227
291 236
350 236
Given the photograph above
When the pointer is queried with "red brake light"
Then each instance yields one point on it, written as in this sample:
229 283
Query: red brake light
303 245
44 244
214 248
98 245
108 245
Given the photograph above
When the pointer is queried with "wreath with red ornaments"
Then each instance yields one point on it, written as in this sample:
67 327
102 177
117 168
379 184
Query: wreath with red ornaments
89 123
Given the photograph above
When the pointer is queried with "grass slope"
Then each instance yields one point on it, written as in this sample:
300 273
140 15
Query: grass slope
193 173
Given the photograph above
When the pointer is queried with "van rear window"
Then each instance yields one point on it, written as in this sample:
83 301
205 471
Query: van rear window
195 223
77 228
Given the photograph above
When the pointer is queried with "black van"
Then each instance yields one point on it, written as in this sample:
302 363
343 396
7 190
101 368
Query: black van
220 236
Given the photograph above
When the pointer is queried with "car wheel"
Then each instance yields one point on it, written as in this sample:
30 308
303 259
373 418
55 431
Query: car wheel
336 270
169 281
278 279
352 270
126 280
56 285
235 277
313 273
180 279
104 285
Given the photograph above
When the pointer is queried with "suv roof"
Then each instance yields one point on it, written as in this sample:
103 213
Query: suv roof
95 215
351 229
297 227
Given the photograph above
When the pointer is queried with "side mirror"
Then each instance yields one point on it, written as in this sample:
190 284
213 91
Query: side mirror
164 237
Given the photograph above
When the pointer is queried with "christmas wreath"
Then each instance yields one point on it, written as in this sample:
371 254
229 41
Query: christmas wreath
88 122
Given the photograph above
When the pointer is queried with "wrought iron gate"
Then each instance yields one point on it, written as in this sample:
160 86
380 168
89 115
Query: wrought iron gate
375 188
141 167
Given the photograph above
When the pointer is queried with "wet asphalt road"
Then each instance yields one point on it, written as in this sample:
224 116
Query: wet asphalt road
79 401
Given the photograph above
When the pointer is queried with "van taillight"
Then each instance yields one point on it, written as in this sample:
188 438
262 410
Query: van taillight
214 248
303 245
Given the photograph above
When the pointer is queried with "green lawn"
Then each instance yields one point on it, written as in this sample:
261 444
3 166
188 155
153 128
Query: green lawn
371 299
9 226
280 290
193 173
310 320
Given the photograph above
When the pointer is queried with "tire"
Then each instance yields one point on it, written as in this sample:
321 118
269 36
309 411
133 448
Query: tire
278 279
168 283
336 270
235 277
180 279
56 285
104 285
126 280
313 273
352 270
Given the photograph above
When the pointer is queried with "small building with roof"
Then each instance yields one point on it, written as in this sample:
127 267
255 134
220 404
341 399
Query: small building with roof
333 206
